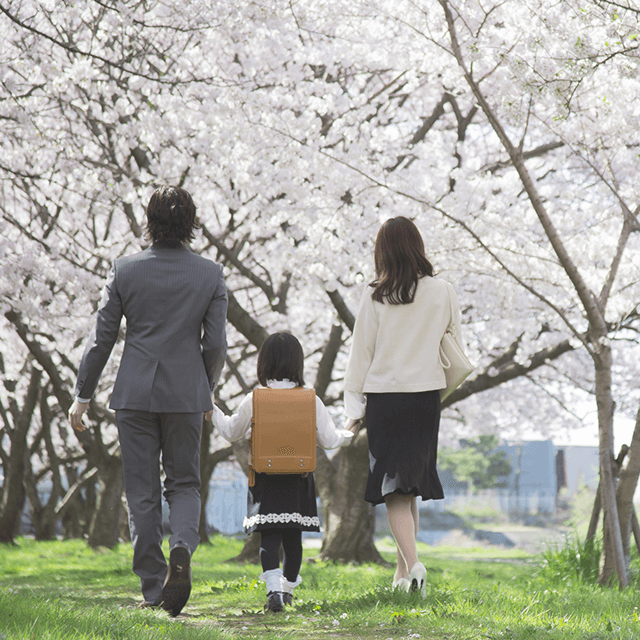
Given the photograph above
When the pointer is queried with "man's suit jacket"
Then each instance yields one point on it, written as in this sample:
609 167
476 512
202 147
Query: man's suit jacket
175 305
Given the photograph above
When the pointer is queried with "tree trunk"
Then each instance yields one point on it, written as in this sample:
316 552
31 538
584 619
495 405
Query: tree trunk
73 518
105 525
612 544
626 489
208 463
250 553
597 503
595 515
44 522
14 490
349 521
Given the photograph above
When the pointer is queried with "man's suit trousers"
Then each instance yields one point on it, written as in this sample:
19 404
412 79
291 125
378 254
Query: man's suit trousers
146 439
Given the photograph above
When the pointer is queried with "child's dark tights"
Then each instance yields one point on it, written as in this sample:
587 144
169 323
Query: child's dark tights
291 541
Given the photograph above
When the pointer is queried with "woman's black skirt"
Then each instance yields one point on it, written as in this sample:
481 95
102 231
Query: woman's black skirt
403 445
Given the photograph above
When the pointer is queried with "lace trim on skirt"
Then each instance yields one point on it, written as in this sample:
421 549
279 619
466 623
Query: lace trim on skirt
284 518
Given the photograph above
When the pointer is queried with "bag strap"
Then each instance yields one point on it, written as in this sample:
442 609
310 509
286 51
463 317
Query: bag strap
251 474
451 328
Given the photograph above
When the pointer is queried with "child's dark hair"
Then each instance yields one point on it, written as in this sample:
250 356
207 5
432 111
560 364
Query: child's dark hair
281 357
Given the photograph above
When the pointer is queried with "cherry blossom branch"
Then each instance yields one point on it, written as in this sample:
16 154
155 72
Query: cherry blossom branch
578 334
618 5
121 67
589 302
536 152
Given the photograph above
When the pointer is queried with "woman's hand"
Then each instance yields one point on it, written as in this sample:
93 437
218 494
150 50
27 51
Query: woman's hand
208 415
353 424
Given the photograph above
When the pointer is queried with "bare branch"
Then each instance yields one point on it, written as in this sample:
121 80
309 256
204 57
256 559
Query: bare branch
329 354
532 153
232 257
341 307
504 368
627 227
255 333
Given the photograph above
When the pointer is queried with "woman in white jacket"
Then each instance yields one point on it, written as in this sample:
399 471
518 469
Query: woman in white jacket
394 374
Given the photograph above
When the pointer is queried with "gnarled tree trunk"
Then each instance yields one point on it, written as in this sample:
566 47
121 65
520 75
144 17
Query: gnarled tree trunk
208 463
105 526
349 521
628 481
14 491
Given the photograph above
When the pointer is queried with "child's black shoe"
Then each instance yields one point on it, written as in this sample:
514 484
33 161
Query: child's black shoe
274 602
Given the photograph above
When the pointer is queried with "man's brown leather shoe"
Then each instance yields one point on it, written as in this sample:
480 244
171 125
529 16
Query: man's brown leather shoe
177 584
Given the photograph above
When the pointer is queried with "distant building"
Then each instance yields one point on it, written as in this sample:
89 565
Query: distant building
539 470
577 467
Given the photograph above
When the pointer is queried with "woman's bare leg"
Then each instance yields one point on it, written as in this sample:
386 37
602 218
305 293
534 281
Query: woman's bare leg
401 567
402 523
414 513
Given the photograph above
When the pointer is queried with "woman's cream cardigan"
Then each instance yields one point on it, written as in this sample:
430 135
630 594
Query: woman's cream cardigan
396 347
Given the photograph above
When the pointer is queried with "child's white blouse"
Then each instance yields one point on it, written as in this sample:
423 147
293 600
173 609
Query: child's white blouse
238 425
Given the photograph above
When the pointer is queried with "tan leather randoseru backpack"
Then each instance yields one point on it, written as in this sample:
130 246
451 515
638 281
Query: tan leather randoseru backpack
283 431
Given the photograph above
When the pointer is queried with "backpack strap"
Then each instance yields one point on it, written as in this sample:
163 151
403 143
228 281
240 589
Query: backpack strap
251 474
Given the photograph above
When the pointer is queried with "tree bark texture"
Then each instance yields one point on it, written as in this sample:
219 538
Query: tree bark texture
14 489
208 462
349 521
105 526
250 553
627 483
613 548
595 514
44 513
597 502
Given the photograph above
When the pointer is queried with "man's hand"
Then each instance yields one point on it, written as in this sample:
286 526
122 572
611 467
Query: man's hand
75 415
353 424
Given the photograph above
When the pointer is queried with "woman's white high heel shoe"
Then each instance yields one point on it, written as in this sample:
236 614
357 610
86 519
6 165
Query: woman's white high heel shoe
418 579
401 583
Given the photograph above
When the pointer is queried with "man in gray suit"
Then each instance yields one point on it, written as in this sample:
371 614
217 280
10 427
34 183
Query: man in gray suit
175 305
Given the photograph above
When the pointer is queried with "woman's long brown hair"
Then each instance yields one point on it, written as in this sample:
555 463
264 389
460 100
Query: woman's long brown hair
400 262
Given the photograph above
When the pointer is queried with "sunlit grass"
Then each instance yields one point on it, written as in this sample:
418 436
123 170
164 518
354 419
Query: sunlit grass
63 590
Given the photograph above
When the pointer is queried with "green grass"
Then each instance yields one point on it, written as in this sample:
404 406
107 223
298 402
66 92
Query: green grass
64 591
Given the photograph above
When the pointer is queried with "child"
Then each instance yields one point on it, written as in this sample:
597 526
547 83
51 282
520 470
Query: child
280 507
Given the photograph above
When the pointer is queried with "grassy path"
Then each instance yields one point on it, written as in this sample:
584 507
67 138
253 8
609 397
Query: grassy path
63 590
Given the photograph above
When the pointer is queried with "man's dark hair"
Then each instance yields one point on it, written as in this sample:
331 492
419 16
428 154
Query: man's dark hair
281 357
171 217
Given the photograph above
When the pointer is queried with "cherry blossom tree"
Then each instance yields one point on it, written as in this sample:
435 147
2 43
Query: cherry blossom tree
300 127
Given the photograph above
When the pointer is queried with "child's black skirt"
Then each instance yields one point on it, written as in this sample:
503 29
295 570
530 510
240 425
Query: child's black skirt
282 501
